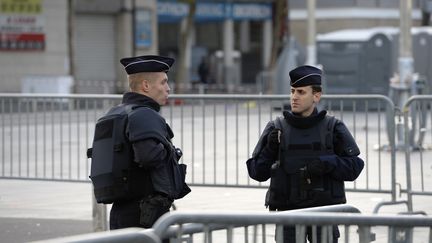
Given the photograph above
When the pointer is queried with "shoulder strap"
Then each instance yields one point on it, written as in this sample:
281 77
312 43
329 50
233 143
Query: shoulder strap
130 107
281 124
326 132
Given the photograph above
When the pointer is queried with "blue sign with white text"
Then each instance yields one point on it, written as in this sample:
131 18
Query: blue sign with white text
173 11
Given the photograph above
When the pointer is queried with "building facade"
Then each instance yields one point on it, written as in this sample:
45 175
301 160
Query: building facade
75 45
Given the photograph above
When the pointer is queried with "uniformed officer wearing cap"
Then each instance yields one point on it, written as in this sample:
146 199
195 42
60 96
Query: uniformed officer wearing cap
307 154
154 156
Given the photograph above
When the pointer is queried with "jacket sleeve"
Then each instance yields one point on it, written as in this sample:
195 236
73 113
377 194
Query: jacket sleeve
259 166
148 133
345 164
149 153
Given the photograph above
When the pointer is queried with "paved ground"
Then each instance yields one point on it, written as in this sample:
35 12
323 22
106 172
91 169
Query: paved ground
37 210
30 229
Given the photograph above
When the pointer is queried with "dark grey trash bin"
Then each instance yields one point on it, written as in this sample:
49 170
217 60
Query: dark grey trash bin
422 53
356 61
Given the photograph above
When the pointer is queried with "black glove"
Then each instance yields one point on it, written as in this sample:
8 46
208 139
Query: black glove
273 139
152 207
318 168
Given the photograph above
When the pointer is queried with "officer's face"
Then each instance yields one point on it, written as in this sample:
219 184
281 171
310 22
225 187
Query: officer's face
303 100
158 88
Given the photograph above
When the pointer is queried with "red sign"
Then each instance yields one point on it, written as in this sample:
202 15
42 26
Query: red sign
22 25
24 41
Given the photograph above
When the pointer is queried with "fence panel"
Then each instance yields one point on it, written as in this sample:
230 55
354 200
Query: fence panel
418 146
265 227
260 227
219 132
46 137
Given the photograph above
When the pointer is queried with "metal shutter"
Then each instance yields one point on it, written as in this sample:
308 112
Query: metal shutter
94 49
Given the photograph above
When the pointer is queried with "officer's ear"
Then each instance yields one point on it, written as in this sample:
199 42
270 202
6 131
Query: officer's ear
316 97
145 85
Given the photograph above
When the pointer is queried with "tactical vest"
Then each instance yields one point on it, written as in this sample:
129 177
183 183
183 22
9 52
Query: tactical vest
114 175
291 185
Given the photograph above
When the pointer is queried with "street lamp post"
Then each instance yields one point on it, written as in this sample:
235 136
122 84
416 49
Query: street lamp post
405 61
402 87
311 32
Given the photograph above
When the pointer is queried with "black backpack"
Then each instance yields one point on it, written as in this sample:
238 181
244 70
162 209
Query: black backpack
111 156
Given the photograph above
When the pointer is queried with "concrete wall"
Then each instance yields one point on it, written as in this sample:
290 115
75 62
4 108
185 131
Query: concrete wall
54 59
15 65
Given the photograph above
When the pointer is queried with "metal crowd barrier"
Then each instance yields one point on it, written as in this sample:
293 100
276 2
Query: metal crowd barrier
231 126
418 146
266 226
45 137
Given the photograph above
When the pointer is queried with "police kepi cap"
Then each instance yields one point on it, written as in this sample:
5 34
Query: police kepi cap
305 76
149 63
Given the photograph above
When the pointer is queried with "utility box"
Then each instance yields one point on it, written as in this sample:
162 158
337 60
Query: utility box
426 6
356 61
362 61
422 53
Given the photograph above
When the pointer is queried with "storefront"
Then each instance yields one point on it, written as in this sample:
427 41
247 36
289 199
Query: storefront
241 29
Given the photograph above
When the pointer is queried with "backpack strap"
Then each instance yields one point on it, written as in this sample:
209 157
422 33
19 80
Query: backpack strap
130 107
281 124
326 132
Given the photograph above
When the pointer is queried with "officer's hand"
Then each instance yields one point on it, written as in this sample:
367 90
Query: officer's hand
317 167
273 139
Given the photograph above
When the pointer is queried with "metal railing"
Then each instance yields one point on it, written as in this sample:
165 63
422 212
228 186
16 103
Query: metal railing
266 226
418 146
45 137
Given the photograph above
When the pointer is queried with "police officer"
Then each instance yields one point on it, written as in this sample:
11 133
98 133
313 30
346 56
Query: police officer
155 159
307 154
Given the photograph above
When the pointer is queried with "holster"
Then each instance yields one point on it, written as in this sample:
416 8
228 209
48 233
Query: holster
152 207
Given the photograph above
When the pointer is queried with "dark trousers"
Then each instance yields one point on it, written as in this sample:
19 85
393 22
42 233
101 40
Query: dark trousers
127 214
289 234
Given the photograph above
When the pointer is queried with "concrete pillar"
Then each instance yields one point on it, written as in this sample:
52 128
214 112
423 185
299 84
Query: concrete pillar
124 41
188 52
228 47
267 43
406 62
152 6
311 32
244 36
100 220
406 69
125 37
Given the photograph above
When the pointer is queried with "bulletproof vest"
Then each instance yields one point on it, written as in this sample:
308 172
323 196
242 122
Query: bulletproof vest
113 172
292 186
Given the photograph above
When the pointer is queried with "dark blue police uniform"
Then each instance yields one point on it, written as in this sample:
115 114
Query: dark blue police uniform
305 170
157 177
